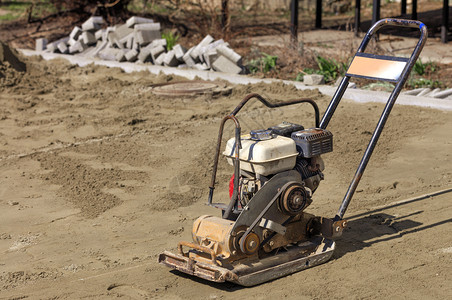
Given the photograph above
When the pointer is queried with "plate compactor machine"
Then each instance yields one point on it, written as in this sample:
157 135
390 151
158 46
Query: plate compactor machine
265 232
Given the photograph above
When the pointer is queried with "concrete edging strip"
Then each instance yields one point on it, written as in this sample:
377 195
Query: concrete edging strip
356 95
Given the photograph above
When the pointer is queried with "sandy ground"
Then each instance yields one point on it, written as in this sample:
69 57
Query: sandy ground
99 176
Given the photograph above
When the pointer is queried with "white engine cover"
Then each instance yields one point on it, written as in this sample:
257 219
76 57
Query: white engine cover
264 157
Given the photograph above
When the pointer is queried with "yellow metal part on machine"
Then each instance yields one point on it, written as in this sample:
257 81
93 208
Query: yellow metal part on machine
217 234
214 233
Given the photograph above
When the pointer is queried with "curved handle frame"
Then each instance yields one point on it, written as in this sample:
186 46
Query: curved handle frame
238 146
390 103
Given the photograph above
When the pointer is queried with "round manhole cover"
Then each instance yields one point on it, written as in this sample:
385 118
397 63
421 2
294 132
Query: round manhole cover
188 88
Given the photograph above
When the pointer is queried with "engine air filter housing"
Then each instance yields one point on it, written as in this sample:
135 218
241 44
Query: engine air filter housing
286 128
261 135
313 141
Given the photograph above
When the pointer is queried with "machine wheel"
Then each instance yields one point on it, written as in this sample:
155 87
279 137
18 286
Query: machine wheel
252 241
294 200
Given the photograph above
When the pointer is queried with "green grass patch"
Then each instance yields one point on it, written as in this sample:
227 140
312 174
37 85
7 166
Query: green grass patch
14 10
415 83
8 17
171 39
328 67
421 68
18 9
263 64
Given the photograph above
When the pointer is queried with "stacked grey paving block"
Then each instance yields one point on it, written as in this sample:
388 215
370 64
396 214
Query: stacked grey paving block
158 42
121 55
62 47
179 52
73 37
93 51
428 92
443 94
132 55
425 92
146 33
140 39
88 38
170 59
210 56
144 37
75 33
113 39
156 52
137 20
229 54
206 41
41 44
201 66
71 42
123 41
123 31
188 59
130 43
99 35
109 53
222 64
214 45
53 47
159 60
148 26
78 47
209 53
433 93
145 55
88 52
120 35
93 24
413 92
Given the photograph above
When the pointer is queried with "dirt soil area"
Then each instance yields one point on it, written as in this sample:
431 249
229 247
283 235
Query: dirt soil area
99 176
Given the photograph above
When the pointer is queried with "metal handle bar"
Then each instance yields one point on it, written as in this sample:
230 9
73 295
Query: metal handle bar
377 26
275 105
390 103
396 22
238 146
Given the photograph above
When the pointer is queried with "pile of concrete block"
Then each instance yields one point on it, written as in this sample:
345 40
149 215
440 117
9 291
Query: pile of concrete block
428 92
140 40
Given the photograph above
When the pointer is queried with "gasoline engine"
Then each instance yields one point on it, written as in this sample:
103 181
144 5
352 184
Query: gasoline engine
281 152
